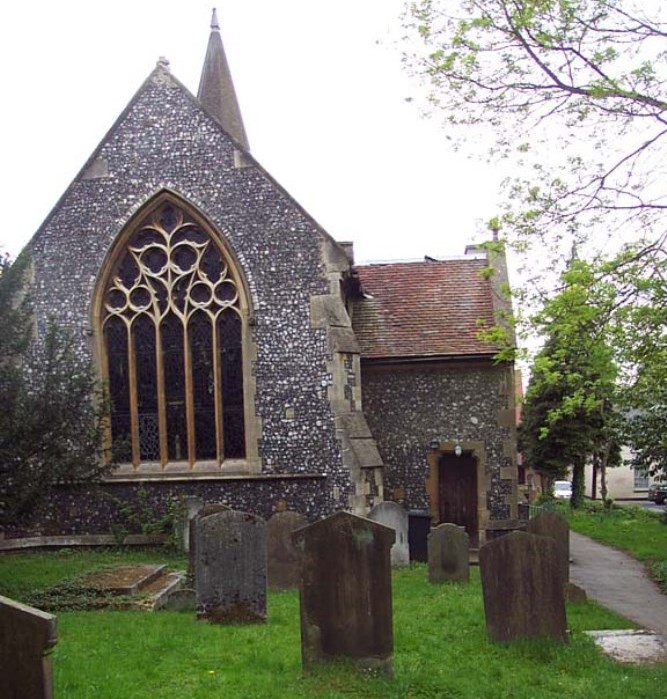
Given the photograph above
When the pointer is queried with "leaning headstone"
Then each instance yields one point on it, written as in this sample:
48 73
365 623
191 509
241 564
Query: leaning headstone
282 560
522 588
230 567
394 516
554 526
345 592
27 636
448 554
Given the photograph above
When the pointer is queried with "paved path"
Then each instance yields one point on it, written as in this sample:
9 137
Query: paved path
618 582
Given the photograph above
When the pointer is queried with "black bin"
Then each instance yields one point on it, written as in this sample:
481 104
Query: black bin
419 526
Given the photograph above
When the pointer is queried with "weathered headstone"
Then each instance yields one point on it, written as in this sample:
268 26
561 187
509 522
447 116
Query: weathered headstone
230 567
522 588
193 505
211 508
448 554
345 592
27 636
554 526
394 516
282 559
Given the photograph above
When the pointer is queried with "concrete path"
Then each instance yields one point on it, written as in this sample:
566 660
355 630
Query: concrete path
617 582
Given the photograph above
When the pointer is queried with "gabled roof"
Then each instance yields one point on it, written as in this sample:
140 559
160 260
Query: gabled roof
424 310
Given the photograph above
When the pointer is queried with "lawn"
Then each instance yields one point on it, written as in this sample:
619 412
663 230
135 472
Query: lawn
638 531
440 647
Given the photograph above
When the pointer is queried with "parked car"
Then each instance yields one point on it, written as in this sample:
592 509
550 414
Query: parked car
657 492
562 490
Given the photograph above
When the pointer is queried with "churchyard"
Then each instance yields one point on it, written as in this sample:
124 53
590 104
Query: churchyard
410 631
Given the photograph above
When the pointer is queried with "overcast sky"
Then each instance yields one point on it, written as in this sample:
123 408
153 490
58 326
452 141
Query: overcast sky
327 105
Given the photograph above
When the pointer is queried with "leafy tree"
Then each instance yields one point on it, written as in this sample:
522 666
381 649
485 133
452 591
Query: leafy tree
573 91
51 423
569 414
571 94
645 432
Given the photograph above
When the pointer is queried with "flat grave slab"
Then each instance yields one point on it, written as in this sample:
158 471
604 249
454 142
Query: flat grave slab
122 580
638 647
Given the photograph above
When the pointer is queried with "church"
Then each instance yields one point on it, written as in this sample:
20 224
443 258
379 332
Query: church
248 360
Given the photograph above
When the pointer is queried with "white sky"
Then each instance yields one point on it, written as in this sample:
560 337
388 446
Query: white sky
322 92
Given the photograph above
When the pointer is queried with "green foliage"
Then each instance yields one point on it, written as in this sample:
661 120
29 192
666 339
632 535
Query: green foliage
440 650
568 414
140 517
27 573
572 93
51 423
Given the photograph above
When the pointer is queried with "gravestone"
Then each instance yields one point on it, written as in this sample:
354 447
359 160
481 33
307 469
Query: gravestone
211 508
522 588
282 560
554 526
27 636
394 516
345 592
448 554
230 567
193 505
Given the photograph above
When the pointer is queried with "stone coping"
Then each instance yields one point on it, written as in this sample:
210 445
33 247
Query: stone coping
189 476
31 542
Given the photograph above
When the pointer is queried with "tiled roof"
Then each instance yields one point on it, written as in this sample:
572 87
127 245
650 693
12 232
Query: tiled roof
423 309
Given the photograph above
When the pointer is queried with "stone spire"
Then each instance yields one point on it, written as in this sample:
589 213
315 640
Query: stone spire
216 89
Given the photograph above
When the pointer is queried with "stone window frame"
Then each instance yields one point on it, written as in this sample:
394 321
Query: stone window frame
189 467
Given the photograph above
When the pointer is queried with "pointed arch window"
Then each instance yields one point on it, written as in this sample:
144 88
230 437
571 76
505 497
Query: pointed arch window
172 334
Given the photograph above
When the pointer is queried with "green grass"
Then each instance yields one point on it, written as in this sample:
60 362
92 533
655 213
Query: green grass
27 573
440 648
638 531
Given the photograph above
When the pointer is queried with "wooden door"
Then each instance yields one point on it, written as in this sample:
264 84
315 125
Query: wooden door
457 492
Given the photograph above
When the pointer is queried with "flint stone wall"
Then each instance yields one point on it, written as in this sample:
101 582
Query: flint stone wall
165 141
407 409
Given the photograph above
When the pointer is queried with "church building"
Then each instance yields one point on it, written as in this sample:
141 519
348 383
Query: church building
248 359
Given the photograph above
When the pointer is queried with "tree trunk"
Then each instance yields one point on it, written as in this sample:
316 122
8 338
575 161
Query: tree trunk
577 483
594 480
603 476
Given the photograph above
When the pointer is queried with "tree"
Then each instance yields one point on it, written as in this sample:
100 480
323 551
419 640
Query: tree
569 413
645 433
572 94
574 90
51 423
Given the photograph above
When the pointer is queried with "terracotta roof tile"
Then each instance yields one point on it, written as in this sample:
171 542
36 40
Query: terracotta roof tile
423 309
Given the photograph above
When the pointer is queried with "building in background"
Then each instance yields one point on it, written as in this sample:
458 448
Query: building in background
248 360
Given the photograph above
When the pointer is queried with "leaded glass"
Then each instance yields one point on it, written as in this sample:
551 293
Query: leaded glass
115 340
200 337
229 339
143 341
172 283
174 387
